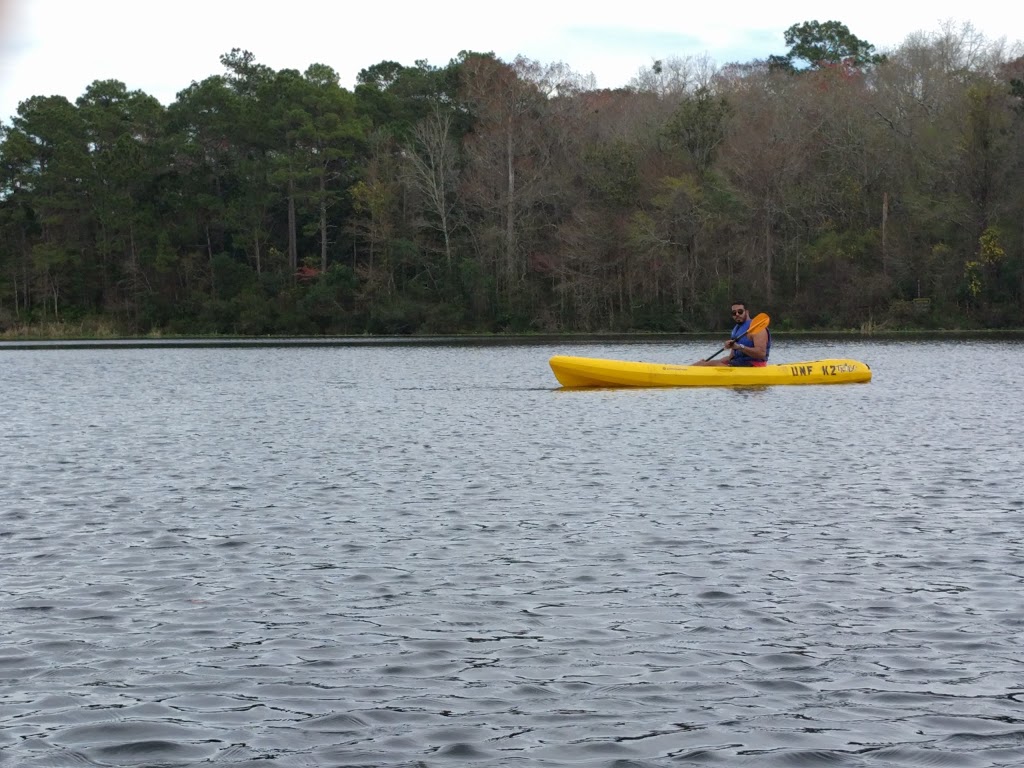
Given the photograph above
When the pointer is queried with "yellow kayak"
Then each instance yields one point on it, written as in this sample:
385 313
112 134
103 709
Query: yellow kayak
596 372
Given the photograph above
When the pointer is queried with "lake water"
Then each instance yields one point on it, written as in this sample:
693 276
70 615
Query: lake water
431 556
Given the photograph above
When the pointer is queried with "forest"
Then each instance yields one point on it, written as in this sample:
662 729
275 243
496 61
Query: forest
833 186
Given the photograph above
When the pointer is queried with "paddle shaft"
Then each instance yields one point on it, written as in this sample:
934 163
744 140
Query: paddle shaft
758 324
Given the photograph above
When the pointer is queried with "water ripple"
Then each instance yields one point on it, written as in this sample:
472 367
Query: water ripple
218 557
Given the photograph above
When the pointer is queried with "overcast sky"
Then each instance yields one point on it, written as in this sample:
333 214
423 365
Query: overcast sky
60 46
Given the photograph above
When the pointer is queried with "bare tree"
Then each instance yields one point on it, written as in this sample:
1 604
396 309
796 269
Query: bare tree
511 171
432 173
675 76
765 156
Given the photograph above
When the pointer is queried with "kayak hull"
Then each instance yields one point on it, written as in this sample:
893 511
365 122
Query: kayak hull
574 372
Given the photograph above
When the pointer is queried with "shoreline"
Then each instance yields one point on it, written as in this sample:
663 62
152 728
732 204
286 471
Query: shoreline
477 339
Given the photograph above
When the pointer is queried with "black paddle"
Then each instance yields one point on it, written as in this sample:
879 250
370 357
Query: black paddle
758 324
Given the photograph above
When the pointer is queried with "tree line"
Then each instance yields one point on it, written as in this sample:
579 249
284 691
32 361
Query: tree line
832 186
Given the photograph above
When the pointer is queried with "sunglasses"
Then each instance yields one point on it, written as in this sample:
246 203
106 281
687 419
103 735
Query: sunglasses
738 311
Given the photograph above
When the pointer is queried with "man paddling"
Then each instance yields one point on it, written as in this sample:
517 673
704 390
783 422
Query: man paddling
746 349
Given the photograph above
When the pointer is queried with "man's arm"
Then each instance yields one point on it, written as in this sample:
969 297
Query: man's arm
760 349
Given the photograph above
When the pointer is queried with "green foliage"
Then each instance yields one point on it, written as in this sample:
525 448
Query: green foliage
611 172
397 97
255 313
231 277
444 319
990 248
656 318
508 197
320 304
981 273
341 278
820 44
398 317
699 126
836 260
1017 94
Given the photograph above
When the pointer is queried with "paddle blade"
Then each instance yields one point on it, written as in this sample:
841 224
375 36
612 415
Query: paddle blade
758 323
